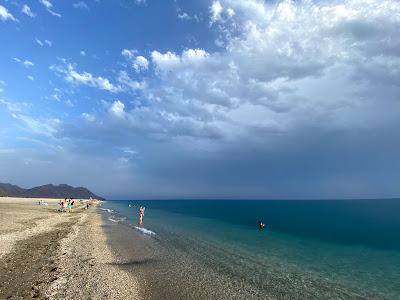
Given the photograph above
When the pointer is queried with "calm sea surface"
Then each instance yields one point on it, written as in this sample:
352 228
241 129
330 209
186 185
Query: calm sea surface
309 249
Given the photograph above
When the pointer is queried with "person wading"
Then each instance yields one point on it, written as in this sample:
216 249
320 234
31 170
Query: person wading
141 214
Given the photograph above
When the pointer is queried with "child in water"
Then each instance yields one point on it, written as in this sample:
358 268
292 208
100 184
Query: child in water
141 214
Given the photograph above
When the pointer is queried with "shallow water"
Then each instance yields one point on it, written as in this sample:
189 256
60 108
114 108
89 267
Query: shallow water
310 249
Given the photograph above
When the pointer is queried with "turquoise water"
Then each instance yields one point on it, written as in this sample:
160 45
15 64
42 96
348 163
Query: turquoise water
309 249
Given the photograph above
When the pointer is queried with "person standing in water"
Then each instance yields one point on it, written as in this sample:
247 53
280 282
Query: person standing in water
141 214
261 225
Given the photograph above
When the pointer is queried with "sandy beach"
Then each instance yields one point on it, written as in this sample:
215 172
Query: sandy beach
47 254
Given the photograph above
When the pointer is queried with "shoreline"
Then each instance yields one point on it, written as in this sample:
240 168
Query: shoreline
53 255
177 263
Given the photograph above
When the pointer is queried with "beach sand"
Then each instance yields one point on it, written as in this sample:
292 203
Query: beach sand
46 254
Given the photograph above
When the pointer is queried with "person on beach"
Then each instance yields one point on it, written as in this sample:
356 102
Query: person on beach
141 214
69 206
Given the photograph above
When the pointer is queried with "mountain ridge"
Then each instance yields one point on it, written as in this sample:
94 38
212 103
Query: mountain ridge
47 191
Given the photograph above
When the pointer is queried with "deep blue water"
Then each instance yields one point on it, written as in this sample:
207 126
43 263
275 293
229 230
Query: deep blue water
351 244
374 223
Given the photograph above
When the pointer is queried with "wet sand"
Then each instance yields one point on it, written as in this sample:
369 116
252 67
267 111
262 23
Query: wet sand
46 254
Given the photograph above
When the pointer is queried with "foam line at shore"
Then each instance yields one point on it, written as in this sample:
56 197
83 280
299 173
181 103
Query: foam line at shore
116 220
145 231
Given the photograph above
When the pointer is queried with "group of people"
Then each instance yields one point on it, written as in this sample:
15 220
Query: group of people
42 203
66 204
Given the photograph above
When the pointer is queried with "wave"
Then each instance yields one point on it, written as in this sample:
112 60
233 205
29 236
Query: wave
107 209
116 220
145 231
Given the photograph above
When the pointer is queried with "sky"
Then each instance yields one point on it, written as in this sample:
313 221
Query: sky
235 99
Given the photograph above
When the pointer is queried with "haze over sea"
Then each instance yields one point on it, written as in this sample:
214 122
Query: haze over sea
309 249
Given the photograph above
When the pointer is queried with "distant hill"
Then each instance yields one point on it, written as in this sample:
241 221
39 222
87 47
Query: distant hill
46 191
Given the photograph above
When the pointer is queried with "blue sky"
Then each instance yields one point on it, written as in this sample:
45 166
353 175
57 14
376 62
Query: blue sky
202 99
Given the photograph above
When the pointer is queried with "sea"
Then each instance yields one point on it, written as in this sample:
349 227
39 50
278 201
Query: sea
214 249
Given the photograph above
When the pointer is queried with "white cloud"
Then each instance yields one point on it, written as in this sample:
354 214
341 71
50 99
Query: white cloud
58 15
216 10
184 16
46 3
85 78
30 77
89 79
230 12
12 106
49 7
39 42
276 63
27 11
140 1
140 63
36 125
170 61
89 117
49 43
130 84
5 14
81 5
128 150
165 61
117 109
129 54
46 127
69 103
83 53
56 97
26 63
294 84
125 83
285 70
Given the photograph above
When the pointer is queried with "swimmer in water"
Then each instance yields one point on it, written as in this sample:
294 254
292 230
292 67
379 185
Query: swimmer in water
141 214
261 225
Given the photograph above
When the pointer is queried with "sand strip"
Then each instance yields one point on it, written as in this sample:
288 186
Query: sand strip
50 255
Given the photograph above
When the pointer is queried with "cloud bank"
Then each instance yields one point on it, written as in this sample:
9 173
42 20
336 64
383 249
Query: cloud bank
298 99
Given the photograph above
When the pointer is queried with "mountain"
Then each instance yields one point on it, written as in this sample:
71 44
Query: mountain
47 191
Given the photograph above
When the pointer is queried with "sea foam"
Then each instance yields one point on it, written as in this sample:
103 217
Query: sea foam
116 220
145 231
